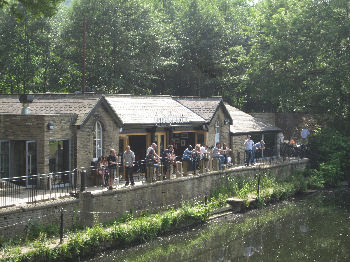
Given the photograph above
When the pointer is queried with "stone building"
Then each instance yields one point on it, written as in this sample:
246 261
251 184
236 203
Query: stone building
54 132
214 112
244 124
160 119
46 133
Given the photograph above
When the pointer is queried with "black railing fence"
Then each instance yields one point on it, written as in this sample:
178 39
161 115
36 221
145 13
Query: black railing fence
292 150
33 188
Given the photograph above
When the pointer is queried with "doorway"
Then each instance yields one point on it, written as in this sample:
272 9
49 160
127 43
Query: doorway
59 160
138 145
23 161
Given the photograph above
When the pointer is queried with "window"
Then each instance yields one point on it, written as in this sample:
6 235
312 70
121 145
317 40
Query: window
98 140
217 132
4 159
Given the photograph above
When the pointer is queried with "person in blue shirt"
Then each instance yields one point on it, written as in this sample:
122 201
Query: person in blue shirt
217 154
187 155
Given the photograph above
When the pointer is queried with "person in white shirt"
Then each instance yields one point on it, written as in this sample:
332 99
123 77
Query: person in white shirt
205 156
248 146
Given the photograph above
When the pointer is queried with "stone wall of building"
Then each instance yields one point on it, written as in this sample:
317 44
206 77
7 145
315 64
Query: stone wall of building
110 136
62 130
269 118
292 123
85 146
224 129
34 128
111 204
237 146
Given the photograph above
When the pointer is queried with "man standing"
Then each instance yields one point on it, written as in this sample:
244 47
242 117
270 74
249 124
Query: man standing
217 154
257 147
304 134
128 163
248 145
112 166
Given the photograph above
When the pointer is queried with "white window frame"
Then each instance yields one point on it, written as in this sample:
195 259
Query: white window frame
98 141
217 131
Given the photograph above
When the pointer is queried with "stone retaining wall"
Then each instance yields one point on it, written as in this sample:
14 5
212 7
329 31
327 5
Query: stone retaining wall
110 204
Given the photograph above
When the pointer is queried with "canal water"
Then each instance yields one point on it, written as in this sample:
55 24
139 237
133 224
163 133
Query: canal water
313 228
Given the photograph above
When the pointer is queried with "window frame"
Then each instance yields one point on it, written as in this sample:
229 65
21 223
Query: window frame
97 140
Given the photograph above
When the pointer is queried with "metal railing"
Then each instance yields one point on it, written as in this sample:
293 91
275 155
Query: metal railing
33 188
41 187
291 150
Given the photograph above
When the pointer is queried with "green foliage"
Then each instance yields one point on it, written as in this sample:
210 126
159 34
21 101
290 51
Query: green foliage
19 8
328 152
285 55
37 232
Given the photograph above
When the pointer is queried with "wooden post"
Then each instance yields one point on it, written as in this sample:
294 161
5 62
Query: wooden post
185 166
202 166
179 169
150 173
215 162
169 171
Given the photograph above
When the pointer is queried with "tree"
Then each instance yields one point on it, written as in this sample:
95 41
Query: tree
122 47
24 48
35 8
299 57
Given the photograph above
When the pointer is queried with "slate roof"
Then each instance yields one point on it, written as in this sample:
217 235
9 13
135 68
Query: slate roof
45 104
204 107
244 123
146 110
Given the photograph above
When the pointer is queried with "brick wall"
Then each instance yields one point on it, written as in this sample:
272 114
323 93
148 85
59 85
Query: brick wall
115 203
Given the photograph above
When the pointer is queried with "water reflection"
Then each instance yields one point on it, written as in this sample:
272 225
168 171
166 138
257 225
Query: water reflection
316 228
303 228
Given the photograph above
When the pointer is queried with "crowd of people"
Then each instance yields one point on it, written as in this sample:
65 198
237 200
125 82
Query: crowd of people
167 160
251 148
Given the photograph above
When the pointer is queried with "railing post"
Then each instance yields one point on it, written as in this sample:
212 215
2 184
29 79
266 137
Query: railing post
75 179
179 169
61 227
185 167
202 166
258 189
216 164
83 180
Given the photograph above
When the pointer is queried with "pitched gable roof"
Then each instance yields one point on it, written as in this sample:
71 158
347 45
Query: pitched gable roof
146 110
244 123
204 107
82 105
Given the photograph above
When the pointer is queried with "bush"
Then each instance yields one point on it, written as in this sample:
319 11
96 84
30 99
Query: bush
329 152
315 180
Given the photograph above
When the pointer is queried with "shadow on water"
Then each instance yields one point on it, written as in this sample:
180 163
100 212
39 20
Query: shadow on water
314 228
